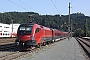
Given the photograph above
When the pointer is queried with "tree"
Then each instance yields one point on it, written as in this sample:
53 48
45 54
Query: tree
78 33
52 21
86 28
89 34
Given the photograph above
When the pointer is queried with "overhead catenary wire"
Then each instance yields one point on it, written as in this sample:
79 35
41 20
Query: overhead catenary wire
18 5
55 7
25 4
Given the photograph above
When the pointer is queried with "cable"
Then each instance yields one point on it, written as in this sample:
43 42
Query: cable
18 5
55 7
25 4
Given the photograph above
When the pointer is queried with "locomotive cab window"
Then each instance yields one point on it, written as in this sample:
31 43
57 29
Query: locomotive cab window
22 28
37 30
25 29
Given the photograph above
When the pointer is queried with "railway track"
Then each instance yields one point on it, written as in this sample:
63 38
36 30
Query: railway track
9 50
4 41
8 47
85 45
19 53
15 52
13 55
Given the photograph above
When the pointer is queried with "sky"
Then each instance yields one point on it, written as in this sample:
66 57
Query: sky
43 7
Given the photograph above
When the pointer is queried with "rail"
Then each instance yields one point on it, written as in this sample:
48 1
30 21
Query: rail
85 44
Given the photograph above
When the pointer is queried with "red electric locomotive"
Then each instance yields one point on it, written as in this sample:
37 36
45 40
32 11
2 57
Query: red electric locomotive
32 34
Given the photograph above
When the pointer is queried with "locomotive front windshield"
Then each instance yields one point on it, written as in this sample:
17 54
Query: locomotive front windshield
25 29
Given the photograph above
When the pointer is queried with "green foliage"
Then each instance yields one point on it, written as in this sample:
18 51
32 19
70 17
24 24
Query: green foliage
52 21
86 28
89 33
79 33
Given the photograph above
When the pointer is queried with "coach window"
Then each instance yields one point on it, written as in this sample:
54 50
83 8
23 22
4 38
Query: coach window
37 30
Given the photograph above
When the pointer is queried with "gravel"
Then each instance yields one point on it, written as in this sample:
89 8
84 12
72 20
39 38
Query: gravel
62 50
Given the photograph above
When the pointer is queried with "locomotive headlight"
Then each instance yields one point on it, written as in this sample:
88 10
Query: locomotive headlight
32 38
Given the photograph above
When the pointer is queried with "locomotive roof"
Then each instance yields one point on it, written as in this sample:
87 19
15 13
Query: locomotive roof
27 23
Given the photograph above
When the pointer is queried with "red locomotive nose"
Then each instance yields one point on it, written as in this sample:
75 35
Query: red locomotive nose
24 38
24 32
